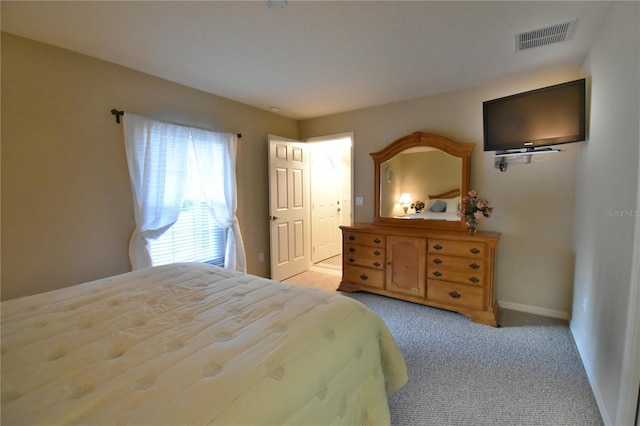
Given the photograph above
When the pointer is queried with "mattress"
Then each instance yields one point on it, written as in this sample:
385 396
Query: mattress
195 344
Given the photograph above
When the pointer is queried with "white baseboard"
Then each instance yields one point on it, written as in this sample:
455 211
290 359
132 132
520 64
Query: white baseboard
535 310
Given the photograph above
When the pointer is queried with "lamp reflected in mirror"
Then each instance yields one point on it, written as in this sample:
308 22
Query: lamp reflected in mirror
405 201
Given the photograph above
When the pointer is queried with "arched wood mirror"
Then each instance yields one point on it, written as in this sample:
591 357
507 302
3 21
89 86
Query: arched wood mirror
429 168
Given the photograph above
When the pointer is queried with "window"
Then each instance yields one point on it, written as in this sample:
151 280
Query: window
195 237
184 192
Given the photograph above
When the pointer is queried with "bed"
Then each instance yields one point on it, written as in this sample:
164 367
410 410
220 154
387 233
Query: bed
195 344
448 202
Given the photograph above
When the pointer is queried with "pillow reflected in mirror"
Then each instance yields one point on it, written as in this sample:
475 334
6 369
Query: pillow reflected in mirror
438 207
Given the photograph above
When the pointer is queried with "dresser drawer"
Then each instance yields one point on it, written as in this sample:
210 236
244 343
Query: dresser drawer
455 295
364 276
457 248
457 277
372 257
364 238
457 264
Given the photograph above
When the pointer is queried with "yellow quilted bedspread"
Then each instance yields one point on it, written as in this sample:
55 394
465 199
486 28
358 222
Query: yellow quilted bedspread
192 344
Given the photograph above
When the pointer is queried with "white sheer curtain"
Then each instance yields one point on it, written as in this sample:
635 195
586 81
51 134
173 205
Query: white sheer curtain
158 158
221 193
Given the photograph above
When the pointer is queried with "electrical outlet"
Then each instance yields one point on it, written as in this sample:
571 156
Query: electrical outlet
584 304
359 201
261 257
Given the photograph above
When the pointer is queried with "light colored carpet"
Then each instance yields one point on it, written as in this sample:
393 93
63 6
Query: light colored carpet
334 262
322 278
527 372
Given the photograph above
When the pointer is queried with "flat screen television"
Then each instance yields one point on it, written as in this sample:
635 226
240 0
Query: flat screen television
538 118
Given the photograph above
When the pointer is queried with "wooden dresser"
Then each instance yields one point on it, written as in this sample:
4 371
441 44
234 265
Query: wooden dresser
448 269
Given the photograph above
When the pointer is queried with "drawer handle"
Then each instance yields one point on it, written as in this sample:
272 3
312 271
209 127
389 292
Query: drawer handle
437 261
351 249
474 280
474 266
351 259
454 294
474 250
377 253
437 274
351 237
363 277
377 241
376 264
437 247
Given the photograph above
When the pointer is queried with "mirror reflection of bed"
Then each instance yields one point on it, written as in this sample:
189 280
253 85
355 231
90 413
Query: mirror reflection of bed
443 206
426 174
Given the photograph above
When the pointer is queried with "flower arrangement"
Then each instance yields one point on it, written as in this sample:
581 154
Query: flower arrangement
418 206
473 208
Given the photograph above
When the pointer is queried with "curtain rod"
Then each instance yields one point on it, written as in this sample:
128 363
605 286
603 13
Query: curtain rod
120 113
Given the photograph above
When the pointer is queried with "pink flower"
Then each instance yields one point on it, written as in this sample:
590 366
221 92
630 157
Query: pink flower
474 207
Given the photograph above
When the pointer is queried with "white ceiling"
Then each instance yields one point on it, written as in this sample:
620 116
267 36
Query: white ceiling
313 58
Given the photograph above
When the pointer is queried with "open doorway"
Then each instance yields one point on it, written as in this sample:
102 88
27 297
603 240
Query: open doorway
331 195
312 182
331 189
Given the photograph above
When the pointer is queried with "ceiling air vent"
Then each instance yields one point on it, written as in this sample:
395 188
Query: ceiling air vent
541 37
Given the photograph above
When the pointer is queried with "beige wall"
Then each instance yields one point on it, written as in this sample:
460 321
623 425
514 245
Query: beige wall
67 212
606 305
533 203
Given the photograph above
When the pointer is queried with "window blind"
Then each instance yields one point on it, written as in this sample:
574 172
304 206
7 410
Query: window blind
195 237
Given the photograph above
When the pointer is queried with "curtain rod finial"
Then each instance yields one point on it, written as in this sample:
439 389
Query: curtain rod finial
117 114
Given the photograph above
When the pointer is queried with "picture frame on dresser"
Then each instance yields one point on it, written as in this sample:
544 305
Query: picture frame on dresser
420 259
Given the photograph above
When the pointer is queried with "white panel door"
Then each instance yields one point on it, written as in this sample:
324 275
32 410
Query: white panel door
289 207
326 209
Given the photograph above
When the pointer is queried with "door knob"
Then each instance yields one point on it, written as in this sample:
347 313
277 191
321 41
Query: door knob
273 217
